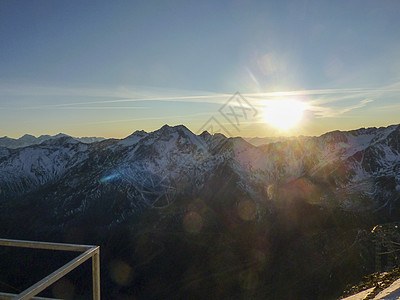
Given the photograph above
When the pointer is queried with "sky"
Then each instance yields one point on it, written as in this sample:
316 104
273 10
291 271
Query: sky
108 68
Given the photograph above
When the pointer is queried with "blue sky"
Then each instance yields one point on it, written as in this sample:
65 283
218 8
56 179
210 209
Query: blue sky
107 68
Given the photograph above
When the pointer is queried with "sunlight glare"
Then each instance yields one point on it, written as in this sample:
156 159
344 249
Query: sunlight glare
283 114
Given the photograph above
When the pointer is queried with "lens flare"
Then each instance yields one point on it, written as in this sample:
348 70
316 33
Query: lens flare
247 210
64 289
109 177
193 222
121 272
283 114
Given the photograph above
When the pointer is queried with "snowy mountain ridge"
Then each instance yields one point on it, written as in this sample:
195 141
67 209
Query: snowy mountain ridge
155 199
344 161
28 140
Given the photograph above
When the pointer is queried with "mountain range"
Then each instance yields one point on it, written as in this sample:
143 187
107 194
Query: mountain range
28 140
207 214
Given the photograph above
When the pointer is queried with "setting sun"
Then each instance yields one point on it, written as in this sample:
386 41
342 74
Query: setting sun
283 114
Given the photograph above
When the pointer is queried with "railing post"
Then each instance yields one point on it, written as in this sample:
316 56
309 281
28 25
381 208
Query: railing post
88 252
96 274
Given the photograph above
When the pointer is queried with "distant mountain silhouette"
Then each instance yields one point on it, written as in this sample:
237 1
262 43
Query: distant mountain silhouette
28 140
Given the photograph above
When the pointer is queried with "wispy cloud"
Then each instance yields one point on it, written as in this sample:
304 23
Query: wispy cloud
195 99
132 93
85 107
338 94
362 103
103 96
328 103
319 101
329 112
145 119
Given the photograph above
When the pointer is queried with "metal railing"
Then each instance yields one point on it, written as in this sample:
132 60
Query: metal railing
88 252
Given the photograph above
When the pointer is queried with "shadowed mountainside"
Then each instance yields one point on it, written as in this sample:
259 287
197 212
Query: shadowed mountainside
180 215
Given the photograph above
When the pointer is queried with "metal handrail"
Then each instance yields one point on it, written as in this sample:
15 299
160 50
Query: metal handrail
8 296
88 252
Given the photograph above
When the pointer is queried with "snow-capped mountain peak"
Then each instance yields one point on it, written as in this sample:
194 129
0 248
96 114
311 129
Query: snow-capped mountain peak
28 140
344 159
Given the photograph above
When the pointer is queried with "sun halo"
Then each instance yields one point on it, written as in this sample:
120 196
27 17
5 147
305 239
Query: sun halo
283 114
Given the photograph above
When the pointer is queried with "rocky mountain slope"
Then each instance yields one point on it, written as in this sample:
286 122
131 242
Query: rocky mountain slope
297 208
362 163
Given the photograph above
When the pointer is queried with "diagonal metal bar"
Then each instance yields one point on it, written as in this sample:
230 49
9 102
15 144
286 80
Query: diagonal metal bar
89 252
8 296
56 275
